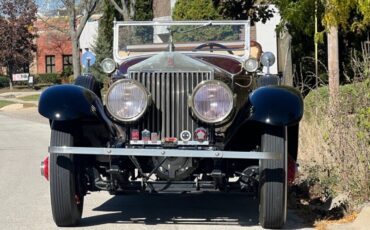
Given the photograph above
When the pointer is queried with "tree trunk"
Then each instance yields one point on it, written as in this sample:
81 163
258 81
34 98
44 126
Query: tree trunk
333 64
10 83
76 56
127 11
285 64
75 42
161 8
10 75
76 25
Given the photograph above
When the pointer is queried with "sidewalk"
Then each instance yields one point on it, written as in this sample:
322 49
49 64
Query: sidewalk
22 109
19 94
16 97
361 222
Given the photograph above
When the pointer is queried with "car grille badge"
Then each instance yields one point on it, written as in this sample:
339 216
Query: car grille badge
145 135
200 134
135 135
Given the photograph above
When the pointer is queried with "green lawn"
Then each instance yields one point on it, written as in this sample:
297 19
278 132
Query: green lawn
30 97
5 103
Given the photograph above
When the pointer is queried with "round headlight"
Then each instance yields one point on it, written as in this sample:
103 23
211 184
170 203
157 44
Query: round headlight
251 65
127 100
267 59
108 65
212 101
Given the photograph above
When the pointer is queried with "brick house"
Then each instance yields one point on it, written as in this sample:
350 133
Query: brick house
54 47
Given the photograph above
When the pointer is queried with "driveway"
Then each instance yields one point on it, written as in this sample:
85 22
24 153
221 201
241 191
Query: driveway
25 199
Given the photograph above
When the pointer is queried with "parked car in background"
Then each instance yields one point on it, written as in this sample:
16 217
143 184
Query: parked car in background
188 109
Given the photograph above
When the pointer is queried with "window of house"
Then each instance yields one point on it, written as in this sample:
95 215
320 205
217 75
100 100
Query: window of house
50 63
67 61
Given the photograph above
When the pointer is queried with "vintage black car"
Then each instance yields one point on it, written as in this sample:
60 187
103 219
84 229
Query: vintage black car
189 108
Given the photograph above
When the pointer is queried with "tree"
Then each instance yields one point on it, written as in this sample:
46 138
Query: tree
222 9
126 8
144 10
103 47
337 15
76 26
201 10
139 10
348 18
299 14
195 10
254 10
17 34
299 18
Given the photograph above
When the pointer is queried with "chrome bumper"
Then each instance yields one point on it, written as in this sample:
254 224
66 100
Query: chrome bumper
165 153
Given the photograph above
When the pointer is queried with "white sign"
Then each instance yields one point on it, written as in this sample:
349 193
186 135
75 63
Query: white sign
30 80
20 76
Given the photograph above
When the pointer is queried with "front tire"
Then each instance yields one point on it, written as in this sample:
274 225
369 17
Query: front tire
66 198
273 177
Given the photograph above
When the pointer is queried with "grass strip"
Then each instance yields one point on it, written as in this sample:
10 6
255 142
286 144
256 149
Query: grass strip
34 97
5 103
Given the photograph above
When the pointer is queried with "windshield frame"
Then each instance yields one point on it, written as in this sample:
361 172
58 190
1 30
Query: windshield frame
117 24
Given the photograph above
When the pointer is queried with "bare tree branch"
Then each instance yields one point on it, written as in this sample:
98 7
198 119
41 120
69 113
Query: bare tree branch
89 10
128 15
132 9
51 25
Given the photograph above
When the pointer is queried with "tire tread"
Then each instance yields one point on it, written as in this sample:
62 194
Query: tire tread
272 205
62 184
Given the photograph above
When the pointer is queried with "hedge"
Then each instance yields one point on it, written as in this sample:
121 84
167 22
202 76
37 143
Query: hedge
52 78
48 78
4 81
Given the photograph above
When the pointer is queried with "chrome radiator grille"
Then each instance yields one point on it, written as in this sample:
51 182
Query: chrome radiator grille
169 113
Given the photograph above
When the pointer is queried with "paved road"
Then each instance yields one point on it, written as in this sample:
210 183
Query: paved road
25 201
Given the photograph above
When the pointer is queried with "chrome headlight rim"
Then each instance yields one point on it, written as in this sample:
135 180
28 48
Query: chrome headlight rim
268 59
255 68
110 70
200 117
139 115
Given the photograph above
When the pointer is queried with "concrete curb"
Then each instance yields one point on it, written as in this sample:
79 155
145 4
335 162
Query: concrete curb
12 107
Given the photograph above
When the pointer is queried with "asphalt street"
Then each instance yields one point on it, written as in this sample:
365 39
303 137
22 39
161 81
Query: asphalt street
25 199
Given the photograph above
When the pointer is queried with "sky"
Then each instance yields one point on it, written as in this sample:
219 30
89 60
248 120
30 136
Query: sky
46 5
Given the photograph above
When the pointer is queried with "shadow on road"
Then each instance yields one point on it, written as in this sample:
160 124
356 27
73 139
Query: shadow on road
202 208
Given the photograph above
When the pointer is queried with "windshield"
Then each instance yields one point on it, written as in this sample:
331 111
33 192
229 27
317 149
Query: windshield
133 38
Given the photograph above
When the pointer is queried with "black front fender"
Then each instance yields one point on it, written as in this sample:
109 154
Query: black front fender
269 105
70 102
275 105
67 102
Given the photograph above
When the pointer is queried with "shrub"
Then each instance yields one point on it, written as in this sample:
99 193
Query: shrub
4 81
336 142
68 71
195 10
49 78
